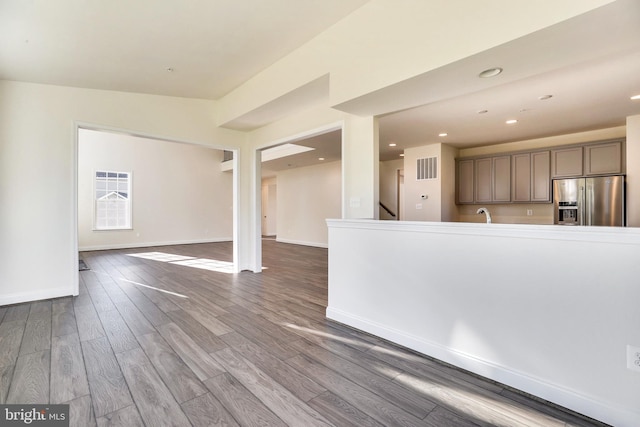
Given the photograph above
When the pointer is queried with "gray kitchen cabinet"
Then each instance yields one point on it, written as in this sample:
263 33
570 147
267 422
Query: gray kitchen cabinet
566 162
530 177
464 181
492 179
501 179
540 177
521 177
525 177
482 181
603 159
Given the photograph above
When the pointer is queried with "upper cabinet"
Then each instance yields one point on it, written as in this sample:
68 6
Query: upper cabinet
566 162
525 177
521 177
501 179
464 181
483 180
540 177
604 158
530 177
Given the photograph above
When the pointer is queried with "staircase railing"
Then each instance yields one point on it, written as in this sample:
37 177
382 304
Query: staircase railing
389 211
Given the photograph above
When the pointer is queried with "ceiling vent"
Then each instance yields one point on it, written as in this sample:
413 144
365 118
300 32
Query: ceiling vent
427 168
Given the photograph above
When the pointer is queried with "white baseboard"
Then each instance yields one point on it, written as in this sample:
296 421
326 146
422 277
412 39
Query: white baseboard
519 380
299 242
36 296
134 245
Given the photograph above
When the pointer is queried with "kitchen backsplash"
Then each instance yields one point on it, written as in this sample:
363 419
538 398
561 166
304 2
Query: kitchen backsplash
509 213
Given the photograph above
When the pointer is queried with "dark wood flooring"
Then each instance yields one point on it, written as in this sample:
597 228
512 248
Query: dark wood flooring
166 336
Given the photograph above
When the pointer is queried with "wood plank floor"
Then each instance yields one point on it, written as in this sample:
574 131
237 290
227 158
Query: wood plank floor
166 336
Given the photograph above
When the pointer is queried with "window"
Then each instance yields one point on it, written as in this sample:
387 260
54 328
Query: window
113 200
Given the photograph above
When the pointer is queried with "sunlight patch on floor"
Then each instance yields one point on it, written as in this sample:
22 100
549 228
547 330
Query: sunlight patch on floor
161 256
395 353
154 288
322 334
187 261
479 405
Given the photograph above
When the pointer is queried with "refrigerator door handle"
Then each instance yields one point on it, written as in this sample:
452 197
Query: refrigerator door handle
590 202
581 206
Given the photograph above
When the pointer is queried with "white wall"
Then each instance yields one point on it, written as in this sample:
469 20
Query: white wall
37 172
306 198
179 193
415 207
360 153
546 309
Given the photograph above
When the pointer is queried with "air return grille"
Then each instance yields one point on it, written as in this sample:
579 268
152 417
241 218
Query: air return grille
427 168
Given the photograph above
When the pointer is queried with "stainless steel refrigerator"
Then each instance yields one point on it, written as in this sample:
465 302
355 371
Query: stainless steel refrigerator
589 201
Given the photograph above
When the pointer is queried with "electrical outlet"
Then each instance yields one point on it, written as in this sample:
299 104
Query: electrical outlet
529 212
633 358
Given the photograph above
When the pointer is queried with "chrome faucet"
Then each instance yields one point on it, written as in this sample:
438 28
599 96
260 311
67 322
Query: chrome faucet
486 212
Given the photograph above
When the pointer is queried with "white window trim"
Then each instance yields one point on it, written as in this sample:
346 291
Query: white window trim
95 201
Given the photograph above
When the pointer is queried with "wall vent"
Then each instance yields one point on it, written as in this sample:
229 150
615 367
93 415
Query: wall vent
427 168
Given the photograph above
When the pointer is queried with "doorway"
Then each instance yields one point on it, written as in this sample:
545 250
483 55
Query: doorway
301 186
269 207
176 196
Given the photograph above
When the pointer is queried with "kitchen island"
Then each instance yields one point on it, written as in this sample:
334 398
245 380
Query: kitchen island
545 309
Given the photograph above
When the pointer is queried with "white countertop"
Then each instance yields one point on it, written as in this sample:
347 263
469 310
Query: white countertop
629 235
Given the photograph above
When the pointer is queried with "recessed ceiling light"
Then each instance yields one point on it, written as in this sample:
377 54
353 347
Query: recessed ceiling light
634 97
393 144
483 111
401 154
545 97
511 122
320 158
169 70
443 134
491 72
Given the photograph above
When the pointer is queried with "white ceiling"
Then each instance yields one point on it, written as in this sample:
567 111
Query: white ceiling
590 64
212 46
327 146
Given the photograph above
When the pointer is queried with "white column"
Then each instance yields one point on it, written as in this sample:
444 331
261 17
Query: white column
360 166
248 249
633 171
